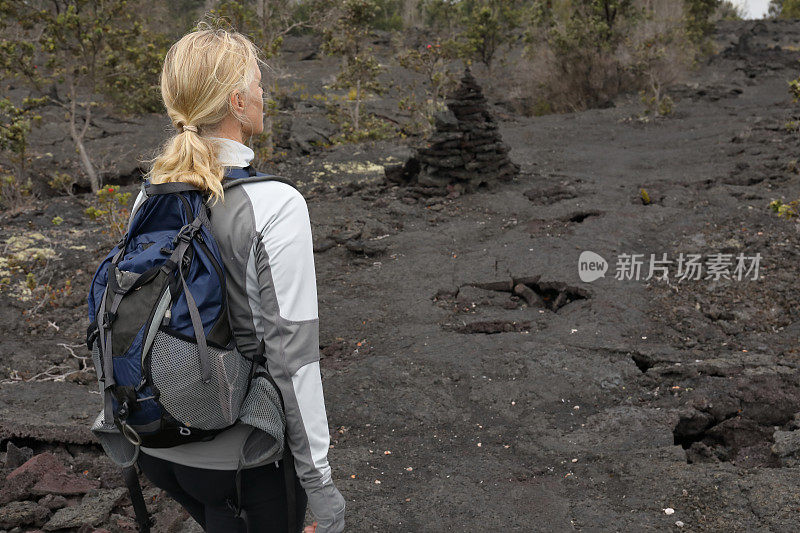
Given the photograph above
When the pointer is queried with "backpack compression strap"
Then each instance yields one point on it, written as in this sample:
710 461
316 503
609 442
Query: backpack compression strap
175 263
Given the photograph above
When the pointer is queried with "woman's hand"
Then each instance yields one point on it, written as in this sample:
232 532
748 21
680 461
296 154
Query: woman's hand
311 528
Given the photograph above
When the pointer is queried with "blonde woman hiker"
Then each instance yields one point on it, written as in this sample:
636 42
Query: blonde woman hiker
212 90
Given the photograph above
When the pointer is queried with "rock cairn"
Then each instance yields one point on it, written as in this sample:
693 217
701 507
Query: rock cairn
465 150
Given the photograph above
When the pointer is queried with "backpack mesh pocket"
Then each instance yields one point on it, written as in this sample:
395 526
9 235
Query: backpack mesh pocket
262 410
175 369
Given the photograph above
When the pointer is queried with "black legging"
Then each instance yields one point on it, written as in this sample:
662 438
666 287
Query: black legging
210 495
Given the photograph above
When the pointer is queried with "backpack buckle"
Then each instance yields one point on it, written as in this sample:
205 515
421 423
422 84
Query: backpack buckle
108 318
185 237
186 234
92 332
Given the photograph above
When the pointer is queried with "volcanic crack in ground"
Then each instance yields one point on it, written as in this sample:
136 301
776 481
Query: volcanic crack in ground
506 297
742 414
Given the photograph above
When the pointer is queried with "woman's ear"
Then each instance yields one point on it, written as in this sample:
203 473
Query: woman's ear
236 101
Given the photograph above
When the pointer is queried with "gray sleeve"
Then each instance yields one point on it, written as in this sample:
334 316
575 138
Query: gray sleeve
281 271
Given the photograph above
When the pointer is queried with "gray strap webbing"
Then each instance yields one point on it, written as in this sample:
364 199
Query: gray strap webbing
170 187
108 358
233 182
194 313
106 375
202 216
105 343
118 257
101 332
137 498
199 333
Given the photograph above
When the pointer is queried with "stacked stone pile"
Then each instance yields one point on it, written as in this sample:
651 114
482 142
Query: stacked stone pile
465 151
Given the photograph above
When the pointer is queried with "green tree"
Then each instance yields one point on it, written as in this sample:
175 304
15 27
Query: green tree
431 60
84 46
654 68
347 27
660 52
478 29
583 42
727 10
699 26
488 25
441 16
784 9
389 16
596 24
135 59
15 126
267 22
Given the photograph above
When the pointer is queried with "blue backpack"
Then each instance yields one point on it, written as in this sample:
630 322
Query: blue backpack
160 337
162 345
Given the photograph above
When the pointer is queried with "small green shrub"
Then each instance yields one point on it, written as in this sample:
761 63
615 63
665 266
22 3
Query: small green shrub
15 195
659 105
62 182
787 211
540 107
794 89
370 127
111 209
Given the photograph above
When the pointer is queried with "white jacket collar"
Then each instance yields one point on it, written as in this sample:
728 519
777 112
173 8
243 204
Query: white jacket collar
233 153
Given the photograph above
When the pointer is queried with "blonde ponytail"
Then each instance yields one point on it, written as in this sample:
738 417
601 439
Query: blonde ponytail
200 72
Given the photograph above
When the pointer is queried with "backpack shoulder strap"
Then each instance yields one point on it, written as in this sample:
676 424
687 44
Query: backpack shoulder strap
240 176
137 498
167 188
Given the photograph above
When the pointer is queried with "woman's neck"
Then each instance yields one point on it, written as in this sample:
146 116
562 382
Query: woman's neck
230 128
232 153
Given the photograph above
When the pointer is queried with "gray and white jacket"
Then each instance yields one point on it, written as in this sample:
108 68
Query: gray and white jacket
264 235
